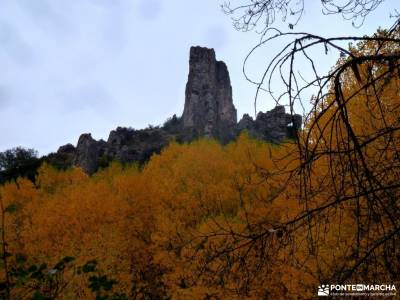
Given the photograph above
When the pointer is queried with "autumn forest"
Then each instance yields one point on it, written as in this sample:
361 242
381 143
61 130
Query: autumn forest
250 219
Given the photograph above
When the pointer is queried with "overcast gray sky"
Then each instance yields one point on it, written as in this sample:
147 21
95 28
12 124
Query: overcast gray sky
75 66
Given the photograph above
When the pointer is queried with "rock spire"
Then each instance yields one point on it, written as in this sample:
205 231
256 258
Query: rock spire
209 109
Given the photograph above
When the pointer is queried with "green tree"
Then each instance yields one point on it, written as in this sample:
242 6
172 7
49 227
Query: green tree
18 162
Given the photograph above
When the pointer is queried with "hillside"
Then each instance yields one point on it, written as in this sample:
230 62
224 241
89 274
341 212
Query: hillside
208 112
205 207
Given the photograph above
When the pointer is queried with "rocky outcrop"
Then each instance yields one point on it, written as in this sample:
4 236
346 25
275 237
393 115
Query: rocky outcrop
63 158
126 144
209 109
208 112
123 144
88 152
274 126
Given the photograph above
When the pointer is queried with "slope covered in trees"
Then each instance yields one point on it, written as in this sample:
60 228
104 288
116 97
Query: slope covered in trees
144 226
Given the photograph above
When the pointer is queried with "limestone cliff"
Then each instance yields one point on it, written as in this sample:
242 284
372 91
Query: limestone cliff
274 126
209 109
88 152
208 112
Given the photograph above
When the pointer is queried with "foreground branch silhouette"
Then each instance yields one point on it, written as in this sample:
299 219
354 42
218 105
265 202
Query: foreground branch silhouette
262 14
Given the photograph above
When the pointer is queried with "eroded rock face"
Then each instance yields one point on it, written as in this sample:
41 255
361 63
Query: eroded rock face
88 152
126 144
209 109
274 126
208 112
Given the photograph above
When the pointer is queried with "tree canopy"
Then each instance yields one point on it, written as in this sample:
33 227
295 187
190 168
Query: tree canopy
18 162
